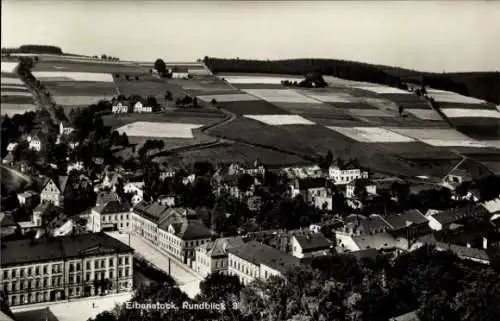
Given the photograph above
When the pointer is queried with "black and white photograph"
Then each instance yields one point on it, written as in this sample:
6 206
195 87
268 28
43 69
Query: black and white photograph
250 160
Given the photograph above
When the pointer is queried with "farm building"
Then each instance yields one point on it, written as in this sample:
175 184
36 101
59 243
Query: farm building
119 108
140 108
34 143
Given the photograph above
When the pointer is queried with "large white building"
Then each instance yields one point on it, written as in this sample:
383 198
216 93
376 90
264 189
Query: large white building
254 260
66 267
212 257
113 215
345 176
177 231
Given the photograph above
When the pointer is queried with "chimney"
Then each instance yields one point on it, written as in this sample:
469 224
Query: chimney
485 243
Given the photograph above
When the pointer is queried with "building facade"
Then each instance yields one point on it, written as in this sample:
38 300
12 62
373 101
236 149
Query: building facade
344 176
50 192
64 268
113 215
212 257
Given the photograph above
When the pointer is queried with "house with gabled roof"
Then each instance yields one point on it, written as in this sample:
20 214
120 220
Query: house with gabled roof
443 219
119 108
305 245
212 257
254 260
113 215
411 222
8 225
50 192
465 252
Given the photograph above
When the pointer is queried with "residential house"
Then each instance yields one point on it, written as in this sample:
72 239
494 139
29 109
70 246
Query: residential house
119 108
136 189
254 260
166 172
493 208
7 224
309 245
443 219
371 188
456 176
140 108
34 142
310 188
67 267
212 257
346 175
166 200
113 215
65 128
301 172
50 192
28 198
77 166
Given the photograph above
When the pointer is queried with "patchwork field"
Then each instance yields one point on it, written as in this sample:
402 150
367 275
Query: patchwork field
227 97
13 109
383 90
276 80
281 95
451 97
8 66
279 120
425 114
16 98
371 134
438 137
61 76
89 66
11 80
470 113
258 107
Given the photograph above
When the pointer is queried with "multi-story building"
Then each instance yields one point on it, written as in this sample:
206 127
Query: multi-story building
50 192
113 215
344 176
43 270
309 245
211 257
177 231
254 260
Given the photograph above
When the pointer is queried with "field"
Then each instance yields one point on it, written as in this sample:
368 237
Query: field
451 97
470 113
383 90
16 98
9 66
280 120
227 97
13 80
159 129
252 107
232 79
371 134
229 153
281 95
425 114
88 66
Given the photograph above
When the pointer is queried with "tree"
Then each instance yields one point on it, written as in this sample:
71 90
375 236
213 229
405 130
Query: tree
245 181
213 102
400 110
151 101
168 95
195 102
218 287
160 66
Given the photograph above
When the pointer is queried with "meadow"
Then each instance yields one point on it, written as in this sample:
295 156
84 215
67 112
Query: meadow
280 120
159 129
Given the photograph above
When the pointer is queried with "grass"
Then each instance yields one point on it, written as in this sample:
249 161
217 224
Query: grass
159 129
79 100
230 153
89 67
80 88
72 76
281 95
149 86
17 100
227 97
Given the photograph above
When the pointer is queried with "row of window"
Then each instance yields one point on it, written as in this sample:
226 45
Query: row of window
114 217
37 270
244 268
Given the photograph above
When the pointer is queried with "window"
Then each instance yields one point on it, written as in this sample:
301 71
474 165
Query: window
30 271
37 283
88 265
14 286
126 272
6 274
21 272
45 282
78 279
110 274
120 273
71 267
120 260
45 269
111 262
78 266
96 264
126 260
87 277
13 273
21 286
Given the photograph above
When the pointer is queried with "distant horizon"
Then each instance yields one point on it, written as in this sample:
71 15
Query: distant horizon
430 36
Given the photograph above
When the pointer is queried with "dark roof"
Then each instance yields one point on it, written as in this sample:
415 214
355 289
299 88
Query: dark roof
47 208
36 315
258 253
151 211
311 182
312 242
219 246
371 224
457 214
63 181
7 220
104 197
464 251
113 207
185 224
400 221
42 250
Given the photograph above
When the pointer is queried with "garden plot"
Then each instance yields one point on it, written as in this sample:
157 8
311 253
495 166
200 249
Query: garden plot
9 66
424 114
155 129
383 90
72 76
11 81
371 134
281 95
227 98
79 100
278 120
257 79
470 113
451 97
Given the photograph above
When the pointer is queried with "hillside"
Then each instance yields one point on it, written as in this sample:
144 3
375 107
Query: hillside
482 85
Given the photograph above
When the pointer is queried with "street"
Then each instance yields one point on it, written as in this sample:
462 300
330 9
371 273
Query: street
188 280
79 309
